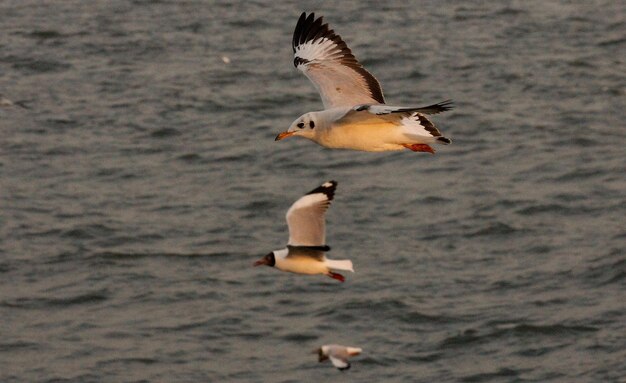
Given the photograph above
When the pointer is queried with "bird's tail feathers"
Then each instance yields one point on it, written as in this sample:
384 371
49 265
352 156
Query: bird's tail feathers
340 264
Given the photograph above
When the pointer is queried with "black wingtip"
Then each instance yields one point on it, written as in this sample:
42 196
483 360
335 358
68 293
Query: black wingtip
446 105
342 369
444 140
327 188
437 108
307 27
298 31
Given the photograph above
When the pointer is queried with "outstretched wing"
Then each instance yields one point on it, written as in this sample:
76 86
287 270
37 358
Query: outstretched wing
306 217
437 108
328 62
413 118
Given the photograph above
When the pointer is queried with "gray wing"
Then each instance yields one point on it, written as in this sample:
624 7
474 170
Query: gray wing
378 110
399 115
330 65
306 217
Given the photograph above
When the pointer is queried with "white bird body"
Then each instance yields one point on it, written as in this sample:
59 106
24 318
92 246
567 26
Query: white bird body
356 116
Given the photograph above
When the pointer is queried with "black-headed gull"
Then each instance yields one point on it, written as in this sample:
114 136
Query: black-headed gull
305 250
337 354
355 115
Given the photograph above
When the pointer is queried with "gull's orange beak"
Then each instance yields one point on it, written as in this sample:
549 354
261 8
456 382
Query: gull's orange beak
284 135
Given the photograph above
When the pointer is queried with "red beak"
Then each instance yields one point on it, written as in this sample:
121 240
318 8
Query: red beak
283 135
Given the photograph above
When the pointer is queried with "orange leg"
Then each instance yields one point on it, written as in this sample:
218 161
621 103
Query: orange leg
419 148
336 276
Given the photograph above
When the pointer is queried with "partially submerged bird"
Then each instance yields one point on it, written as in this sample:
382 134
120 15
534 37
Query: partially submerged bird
305 251
337 354
355 115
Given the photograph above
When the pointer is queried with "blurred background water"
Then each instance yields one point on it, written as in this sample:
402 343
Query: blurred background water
143 180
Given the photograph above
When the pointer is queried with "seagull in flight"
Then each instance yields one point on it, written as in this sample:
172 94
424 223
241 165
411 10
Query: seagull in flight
305 251
337 354
355 115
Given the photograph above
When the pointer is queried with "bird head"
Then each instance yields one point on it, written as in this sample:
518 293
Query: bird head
321 355
268 260
304 126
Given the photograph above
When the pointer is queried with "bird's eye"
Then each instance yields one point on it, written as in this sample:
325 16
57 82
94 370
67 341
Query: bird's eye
311 124
301 125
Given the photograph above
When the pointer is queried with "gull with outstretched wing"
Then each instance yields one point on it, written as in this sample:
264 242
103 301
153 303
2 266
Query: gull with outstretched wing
305 251
337 354
355 115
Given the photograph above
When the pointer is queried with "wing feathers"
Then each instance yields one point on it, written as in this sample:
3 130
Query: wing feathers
306 217
327 188
439 107
416 123
340 363
328 62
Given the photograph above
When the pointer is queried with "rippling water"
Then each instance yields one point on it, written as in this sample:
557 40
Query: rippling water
143 181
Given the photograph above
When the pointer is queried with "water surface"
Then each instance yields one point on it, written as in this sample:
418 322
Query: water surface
143 180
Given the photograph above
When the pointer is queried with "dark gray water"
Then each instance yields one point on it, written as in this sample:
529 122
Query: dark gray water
143 180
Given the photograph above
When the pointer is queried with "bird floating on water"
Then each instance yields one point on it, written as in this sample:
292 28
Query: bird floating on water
355 115
305 251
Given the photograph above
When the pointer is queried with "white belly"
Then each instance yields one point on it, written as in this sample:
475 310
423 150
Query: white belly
367 137
301 265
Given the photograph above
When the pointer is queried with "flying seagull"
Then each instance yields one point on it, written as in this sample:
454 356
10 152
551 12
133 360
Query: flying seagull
337 354
355 115
305 251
